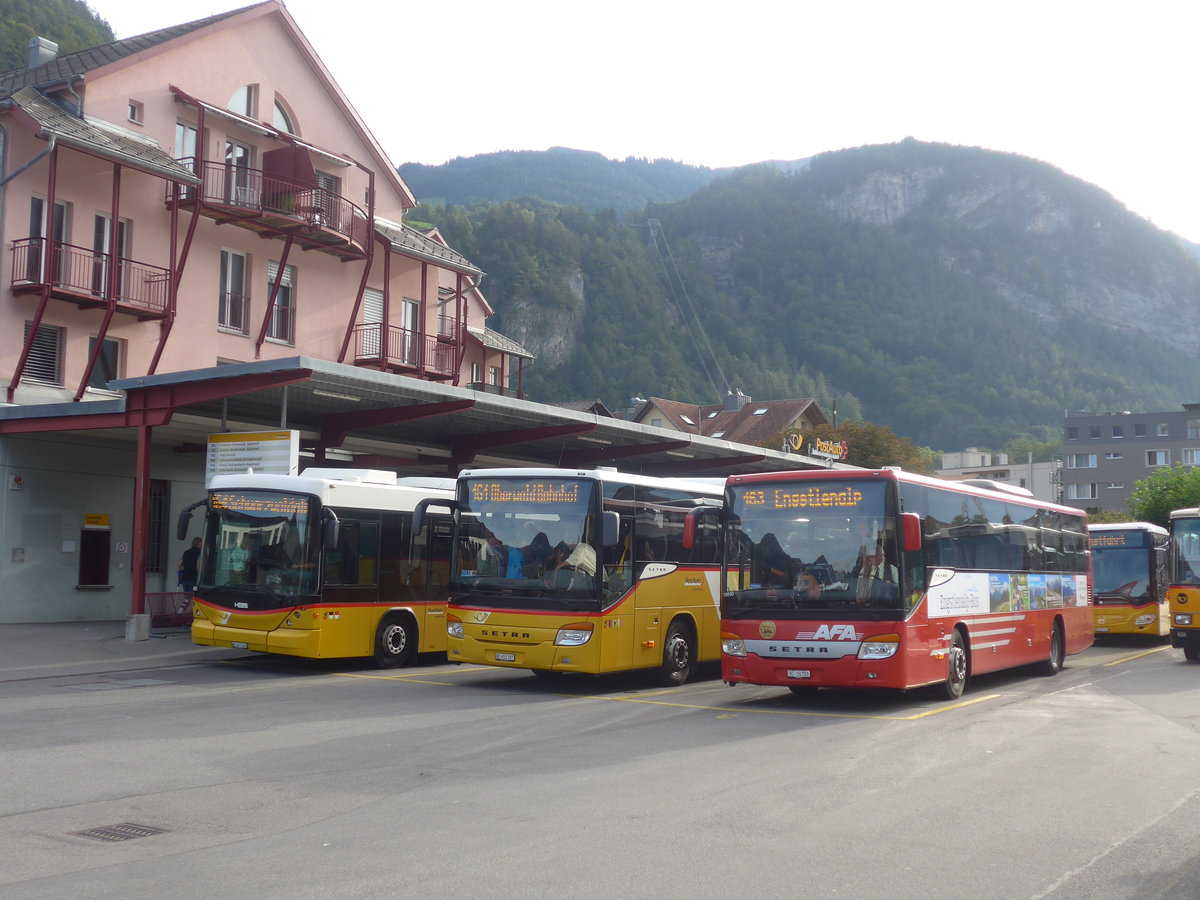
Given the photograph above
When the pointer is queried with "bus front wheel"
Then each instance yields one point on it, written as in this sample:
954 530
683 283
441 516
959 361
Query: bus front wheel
678 655
956 668
394 641
1191 652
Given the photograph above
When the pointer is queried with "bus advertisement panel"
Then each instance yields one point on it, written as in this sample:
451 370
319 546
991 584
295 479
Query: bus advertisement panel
1183 591
582 571
322 565
1129 569
879 578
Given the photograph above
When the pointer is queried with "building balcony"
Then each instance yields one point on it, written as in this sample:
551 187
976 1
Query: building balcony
273 206
406 351
87 277
485 387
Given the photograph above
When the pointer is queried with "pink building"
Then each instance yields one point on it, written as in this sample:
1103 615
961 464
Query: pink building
193 197
255 218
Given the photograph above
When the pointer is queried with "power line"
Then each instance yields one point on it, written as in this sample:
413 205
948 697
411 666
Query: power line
705 353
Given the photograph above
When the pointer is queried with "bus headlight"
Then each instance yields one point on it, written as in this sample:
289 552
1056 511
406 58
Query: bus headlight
881 646
732 645
1145 619
454 627
573 635
1183 618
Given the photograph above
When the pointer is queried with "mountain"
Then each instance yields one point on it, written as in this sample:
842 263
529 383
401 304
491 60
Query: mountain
70 23
560 175
961 296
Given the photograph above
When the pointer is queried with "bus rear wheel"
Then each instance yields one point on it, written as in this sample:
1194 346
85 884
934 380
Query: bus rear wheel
956 668
1052 665
678 655
394 641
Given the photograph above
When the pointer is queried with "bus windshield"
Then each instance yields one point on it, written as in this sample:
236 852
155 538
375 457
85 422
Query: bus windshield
1121 567
260 544
820 547
1185 551
529 540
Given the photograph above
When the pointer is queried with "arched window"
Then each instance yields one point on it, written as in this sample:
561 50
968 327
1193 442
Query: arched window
283 118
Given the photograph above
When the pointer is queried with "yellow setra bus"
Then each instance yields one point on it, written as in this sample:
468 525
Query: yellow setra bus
1129 578
559 570
325 564
1183 589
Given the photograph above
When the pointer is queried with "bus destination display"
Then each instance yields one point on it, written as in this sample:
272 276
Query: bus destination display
263 503
537 492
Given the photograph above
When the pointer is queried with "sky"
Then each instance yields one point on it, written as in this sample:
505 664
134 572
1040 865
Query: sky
1105 91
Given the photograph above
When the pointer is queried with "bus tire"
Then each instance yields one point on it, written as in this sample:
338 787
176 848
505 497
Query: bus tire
679 655
1054 664
395 640
957 668
1191 652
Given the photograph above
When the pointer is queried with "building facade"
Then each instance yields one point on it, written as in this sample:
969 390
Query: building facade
193 197
1105 455
1042 479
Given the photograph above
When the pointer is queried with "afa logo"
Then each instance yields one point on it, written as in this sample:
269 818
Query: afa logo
831 633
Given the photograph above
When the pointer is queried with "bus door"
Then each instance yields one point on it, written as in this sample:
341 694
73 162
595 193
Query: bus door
429 577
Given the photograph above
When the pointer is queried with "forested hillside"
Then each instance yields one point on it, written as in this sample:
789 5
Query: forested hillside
560 175
960 296
69 23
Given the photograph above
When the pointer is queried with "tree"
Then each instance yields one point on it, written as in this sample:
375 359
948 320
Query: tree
1167 488
71 24
870 446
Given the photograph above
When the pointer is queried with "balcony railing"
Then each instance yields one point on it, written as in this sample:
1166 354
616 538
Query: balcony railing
404 349
235 312
254 198
485 387
83 275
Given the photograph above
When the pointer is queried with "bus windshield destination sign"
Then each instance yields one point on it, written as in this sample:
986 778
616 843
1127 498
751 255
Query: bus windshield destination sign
272 504
548 492
812 498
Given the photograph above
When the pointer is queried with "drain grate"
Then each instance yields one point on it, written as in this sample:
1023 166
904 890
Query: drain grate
125 831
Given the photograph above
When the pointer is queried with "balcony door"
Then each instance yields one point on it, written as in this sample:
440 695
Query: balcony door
101 237
240 189
410 322
39 253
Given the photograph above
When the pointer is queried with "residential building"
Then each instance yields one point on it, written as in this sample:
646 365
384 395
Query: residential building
1105 455
739 419
972 464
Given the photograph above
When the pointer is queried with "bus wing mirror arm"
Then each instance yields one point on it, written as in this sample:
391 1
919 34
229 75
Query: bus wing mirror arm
420 511
185 517
910 535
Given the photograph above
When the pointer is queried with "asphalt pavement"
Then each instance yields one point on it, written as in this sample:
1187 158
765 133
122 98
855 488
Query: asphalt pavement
93 648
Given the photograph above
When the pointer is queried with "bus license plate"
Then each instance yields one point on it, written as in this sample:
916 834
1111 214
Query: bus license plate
239 645
799 673
1102 628
506 657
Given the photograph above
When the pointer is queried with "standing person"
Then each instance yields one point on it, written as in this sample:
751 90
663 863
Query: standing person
189 567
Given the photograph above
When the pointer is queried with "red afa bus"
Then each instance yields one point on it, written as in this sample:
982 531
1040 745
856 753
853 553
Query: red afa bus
881 578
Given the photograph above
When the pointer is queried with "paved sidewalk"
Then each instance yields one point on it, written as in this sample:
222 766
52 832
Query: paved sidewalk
84 648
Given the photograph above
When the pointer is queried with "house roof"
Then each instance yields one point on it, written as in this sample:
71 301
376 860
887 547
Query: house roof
595 406
408 240
98 137
70 65
751 424
494 340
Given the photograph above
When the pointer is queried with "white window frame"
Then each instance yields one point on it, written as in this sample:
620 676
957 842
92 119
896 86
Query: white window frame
283 313
1073 460
1153 455
1190 456
1082 492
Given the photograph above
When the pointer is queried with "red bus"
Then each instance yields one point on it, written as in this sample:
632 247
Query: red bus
880 578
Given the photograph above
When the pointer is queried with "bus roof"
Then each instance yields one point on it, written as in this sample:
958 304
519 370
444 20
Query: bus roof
899 475
362 488
712 486
1190 512
1127 526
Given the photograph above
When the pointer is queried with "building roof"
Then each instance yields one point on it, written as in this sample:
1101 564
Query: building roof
595 406
749 424
98 137
494 340
412 242
70 65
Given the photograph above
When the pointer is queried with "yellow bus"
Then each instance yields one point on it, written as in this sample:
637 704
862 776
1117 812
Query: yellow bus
1183 589
1129 578
559 570
325 564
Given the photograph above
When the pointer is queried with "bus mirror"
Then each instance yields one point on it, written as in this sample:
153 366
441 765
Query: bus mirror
610 528
910 537
185 518
689 529
331 530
